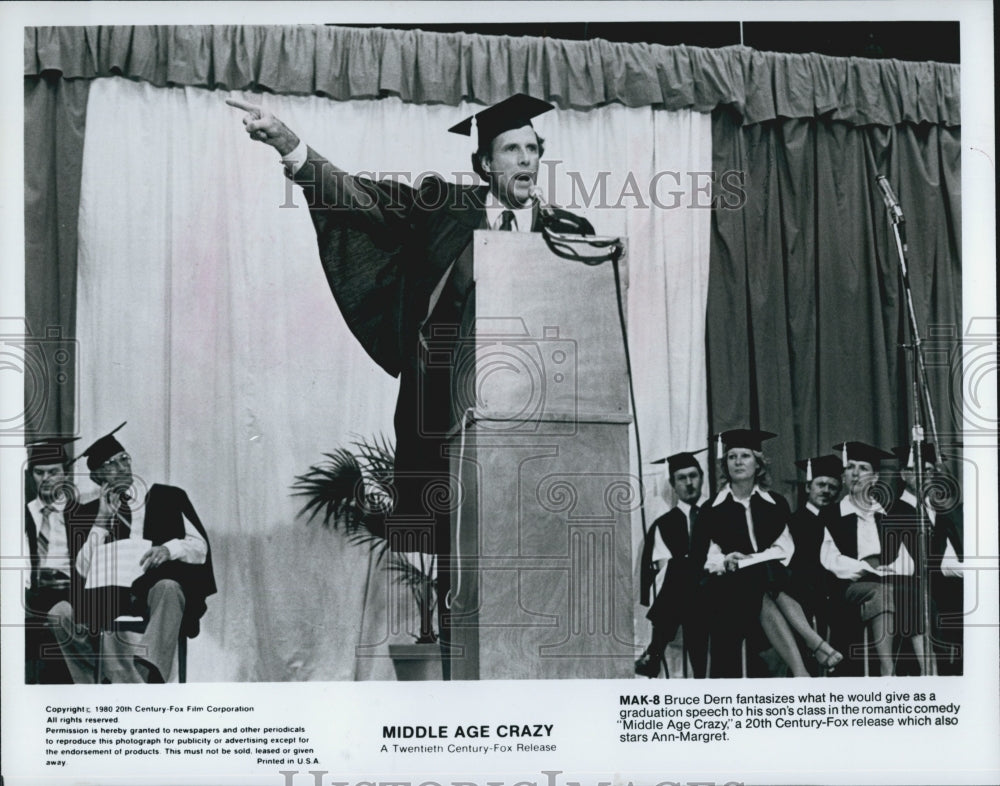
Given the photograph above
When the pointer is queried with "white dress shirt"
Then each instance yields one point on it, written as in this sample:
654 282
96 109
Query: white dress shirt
295 160
192 548
782 548
869 545
57 554
950 563
661 553
523 216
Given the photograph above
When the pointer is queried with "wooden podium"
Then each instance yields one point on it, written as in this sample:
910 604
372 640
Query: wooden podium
541 567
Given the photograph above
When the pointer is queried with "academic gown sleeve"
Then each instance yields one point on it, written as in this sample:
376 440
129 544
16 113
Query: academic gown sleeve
364 234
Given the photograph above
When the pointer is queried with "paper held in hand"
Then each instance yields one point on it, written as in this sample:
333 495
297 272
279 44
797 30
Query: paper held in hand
881 570
116 564
756 559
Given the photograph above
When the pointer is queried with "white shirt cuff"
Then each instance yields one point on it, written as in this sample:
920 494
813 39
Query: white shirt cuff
295 160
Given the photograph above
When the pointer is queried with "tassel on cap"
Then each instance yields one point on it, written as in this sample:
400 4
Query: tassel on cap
718 448
843 455
827 466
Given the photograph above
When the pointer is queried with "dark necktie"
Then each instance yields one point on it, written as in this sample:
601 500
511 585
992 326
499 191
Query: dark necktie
692 515
507 221
120 528
43 533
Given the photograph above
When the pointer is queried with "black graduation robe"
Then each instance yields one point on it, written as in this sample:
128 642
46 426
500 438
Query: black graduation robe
385 247
166 509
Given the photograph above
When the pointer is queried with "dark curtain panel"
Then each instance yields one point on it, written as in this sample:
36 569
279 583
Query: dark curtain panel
54 115
806 313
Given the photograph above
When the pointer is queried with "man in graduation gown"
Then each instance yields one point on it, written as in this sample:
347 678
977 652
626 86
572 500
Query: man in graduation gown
669 581
49 623
858 551
399 263
177 574
807 580
944 564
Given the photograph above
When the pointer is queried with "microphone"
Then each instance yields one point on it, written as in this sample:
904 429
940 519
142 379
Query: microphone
544 207
891 203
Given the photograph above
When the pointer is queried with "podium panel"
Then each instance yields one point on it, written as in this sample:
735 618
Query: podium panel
540 566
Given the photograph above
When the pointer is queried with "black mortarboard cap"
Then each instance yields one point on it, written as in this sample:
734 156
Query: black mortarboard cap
513 112
103 449
742 438
861 451
821 466
49 451
681 460
927 451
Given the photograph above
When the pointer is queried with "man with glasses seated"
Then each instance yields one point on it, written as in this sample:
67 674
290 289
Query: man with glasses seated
174 573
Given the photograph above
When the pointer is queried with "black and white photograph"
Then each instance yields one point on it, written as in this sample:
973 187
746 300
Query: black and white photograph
620 377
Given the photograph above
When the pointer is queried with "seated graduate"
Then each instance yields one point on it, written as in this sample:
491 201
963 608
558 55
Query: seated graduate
670 581
856 551
808 581
174 573
744 537
944 564
47 597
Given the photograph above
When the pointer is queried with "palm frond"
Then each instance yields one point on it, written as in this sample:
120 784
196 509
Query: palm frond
354 492
334 488
377 459
408 574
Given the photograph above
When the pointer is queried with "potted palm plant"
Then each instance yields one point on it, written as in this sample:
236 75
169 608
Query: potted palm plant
352 490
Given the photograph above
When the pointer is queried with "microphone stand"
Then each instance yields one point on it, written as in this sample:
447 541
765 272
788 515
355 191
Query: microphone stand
921 405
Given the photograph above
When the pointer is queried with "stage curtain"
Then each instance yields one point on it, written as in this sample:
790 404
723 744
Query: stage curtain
448 68
210 328
806 314
54 113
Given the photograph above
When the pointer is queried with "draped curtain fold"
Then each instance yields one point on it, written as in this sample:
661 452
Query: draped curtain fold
806 314
55 112
448 68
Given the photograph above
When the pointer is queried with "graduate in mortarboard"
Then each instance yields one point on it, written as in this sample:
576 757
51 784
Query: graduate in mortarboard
944 561
669 581
176 566
398 259
808 580
48 606
745 544
863 559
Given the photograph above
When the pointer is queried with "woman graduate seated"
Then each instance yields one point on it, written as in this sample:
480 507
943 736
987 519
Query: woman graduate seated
746 545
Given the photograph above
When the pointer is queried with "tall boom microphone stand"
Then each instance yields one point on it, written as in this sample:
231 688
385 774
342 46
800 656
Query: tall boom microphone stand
921 405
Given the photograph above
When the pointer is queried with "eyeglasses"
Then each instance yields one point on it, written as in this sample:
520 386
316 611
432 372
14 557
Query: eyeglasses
118 460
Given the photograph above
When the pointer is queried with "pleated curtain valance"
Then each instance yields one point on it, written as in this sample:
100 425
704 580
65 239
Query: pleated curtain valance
446 68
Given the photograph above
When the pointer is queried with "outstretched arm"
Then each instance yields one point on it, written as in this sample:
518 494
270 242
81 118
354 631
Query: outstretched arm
326 187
